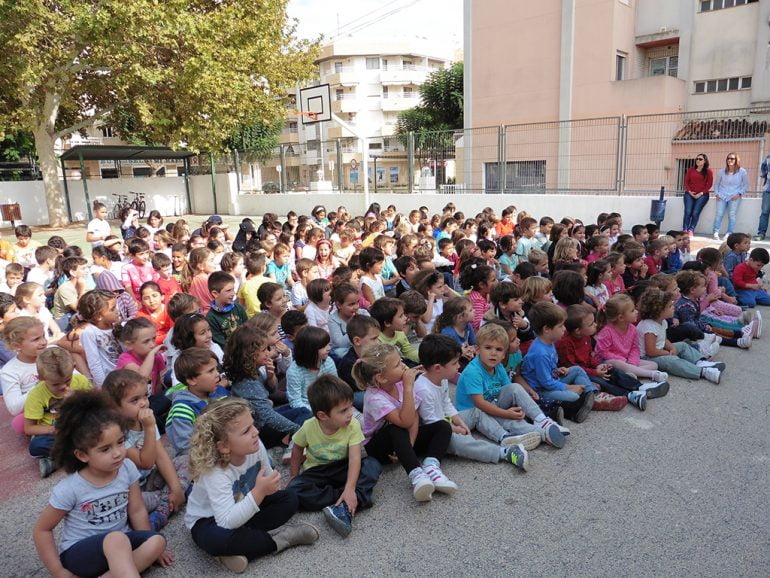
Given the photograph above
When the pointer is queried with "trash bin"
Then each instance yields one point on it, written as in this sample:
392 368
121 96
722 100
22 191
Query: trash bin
658 208
11 212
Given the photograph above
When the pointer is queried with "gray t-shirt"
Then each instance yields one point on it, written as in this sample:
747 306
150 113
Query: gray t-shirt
135 439
93 509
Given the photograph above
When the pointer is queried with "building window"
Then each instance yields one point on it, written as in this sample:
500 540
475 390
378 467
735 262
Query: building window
408 92
339 94
664 66
292 127
337 67
620 66
711 5
384 92
722 85
373 63
520 176
107 132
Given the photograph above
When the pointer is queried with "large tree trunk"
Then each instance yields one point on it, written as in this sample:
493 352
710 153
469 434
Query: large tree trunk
44 143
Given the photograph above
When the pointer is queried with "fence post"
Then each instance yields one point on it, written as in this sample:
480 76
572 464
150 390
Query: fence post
237 162
85 185
500 159
410 160
620 154
340 164
214 181
282 172
503 159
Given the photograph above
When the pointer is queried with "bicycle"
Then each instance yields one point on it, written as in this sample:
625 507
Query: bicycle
138 203
120 204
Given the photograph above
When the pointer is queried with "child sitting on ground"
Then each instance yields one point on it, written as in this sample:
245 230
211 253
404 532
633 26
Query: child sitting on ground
480 280
307 271
335 477
169 286
162 490
455 322
25 336
363 331
319 293
440 356
225 315
57 381
748 289
154 309
139 270
311 360
540 366
391 423
389 313
346 298
236 511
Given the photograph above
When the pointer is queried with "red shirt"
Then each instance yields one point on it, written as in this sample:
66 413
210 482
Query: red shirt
161 320
169 288
573 351
744 275
652 265
695 182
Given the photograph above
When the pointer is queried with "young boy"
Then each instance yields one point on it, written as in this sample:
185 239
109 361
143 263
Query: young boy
505 225
247 294
307 271
335 477
673 263
527 242
546 224
574 348
363 331
657 254
43 272
225 315
749 291
414 308
169 286
55 369
440 356
540 365
508 304
291 322
407 268
739 244
484 385
25 246
389 313
279 269
640 234
636 268
345 249
539 260
178 260
65 300
197 370
14 274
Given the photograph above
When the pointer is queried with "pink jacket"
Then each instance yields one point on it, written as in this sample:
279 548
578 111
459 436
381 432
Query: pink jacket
611 344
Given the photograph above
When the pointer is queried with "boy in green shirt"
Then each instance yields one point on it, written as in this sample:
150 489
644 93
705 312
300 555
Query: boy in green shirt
225 314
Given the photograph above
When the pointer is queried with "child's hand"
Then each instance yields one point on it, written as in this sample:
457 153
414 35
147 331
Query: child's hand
166 559
603 370
410 375
157 349
270 368
349 497
176 499
460 430
515 412
469 351
674 322
576 388
562 370
146 418
267 484
282 348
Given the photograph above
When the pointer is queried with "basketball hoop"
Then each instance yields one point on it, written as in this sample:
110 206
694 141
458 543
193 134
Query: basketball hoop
311 115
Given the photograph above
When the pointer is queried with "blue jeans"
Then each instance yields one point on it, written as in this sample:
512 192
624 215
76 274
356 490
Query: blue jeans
40 446
765 215
746 297
732 211
692 210
727 285
575 376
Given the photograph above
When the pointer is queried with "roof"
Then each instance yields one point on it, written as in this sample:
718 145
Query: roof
122 153
722 129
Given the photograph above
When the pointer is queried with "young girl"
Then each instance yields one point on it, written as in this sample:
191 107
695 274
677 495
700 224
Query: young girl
325 260
154 222
311 360
455 321
272 299
154 310
163 242
617 344
508 259
680 359
598 274
371 261
716 305
319 294
128 392
279 269
313 236
391 424
98 311
598 247
279 351
142 353
564 251
30 301
479 280
430 284
26 337
98 227
139 270
97 500
346 299
196 277
614 281
236 510
125 304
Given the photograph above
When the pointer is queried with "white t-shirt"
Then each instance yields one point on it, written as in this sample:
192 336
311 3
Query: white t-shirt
135 439
102 351
378 289
435 404
100 228
37 275
17 378
657 329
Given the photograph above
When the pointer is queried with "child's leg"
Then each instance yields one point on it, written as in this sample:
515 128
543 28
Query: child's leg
609 387
684 331
513 394
391 439
761 297
746 297
576 375
87 557
677 366
644 369
322 486
727 285
182 466
40 446
483 423
251 539
724 308
466 446
688 352
433 439
723 322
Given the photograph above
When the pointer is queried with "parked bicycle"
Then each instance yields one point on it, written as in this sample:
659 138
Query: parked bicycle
120 204
138 203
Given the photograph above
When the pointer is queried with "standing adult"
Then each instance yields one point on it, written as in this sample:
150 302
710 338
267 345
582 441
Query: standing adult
697 184
765 215
731 184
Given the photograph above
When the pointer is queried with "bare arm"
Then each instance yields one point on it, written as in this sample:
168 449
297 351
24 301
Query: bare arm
45 544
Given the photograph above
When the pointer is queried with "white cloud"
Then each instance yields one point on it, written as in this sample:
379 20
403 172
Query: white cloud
432 19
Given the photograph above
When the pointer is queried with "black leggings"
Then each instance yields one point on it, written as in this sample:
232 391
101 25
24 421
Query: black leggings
432 442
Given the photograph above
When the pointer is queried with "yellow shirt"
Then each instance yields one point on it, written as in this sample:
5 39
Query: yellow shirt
41 406
322 449
247 294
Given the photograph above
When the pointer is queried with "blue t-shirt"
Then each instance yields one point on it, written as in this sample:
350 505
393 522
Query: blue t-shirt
468 337
475 380
539 365
281 272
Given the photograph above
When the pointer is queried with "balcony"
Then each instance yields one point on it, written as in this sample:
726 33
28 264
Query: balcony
348 103
409 74
334 131
345 76
399 103
650 95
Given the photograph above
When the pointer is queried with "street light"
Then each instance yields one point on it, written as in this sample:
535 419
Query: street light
374 158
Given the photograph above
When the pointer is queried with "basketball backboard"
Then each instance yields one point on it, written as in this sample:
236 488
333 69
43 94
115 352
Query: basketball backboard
315 104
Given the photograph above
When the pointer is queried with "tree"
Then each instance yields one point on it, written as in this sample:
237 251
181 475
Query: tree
178 72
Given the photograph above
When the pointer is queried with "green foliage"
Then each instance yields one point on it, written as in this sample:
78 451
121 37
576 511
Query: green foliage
17 145
257 141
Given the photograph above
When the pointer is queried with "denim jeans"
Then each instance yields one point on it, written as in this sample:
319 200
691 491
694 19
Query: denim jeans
732 211
692 210
575 376
765 215
748 298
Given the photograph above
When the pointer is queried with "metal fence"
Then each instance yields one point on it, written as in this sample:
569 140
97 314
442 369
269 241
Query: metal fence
619 155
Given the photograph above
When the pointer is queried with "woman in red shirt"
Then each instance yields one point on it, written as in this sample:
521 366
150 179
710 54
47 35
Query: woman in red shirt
697 184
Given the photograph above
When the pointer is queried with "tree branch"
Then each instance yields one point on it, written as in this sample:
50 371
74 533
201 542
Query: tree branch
98 115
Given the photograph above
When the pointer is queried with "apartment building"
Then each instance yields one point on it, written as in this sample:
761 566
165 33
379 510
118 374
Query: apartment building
371 82
572 60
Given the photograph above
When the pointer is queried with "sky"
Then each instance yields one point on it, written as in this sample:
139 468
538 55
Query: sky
432 19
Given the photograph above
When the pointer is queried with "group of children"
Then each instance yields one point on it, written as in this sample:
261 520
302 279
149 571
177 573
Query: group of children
174 359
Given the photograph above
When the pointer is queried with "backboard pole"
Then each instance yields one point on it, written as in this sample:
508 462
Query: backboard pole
364 155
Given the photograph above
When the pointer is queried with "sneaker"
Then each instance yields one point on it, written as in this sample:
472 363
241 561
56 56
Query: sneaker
529 440
708 338
585 408
716 236
714 349
758 321
659 376
556 413
718 364
46 466
286 456
744 342
339 519
432 469
711 374
705 347
606 402
749 330
638 399
759 237
422 487
551 434
690 233
518 456
655 389
237 564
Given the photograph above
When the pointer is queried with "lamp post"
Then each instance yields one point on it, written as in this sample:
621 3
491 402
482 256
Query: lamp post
374 158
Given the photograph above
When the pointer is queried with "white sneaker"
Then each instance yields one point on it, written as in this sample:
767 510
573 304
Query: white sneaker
706 347
422 487
716 236
718 364
286 457
713 350
748 329
709 338
758 321
744 342
659 376
711 374
442 484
